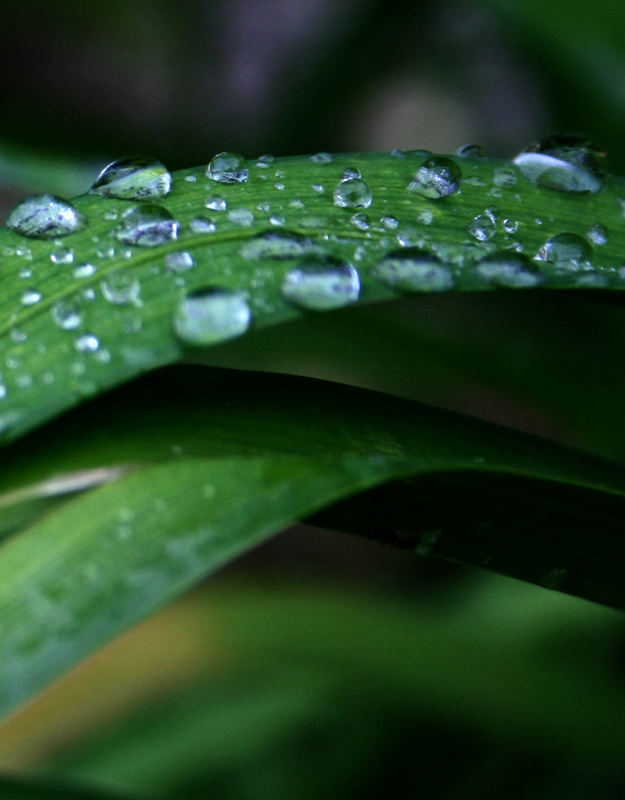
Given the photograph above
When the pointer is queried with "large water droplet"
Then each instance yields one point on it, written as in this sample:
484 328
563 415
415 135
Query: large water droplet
147 225
228 168
353 193
45 216
437 177
566 251
414 270
510 270
321 284
212 315
567 162
133 178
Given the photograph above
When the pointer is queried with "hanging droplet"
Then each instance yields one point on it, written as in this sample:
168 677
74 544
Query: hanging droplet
508 269
413 270
321 284
121 288
133 178
566 251
45 216
181 261
213 315
437 177
147 225
66 315
228 168
353 193
567 162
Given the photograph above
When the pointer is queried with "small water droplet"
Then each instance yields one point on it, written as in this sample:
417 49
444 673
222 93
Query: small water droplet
278 245
147 225
437 177
228 168
360 221
265 160
414 270
390 223
84 270
190 178
510 225
510 270
216 203
64 255
133 178
213 315
45 216
353 193
598 234
121 288
567 162
472 151
482 227
425 216
505 176
180 261
241 216
87 343
566 251
31 297
321 284
203 225
322 158
66 315
319 188
350 173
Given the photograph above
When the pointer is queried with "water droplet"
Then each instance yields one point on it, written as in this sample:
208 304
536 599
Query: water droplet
62 256
566 251
350 173
482 227
227 168
190 178
322 158
390 223
472 151
180 261
66 315
216 203
133 178
265 160
84 271
414 270
510 270
213 315
87 343
121 288
360 221
45 216
425 216
353 193
598 234
505 176
321 284
278 245
437 177
567 162
241 216
510 225
319 188
31 297
147 225
203 225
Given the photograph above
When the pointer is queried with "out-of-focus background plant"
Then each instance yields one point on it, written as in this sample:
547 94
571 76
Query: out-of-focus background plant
320 665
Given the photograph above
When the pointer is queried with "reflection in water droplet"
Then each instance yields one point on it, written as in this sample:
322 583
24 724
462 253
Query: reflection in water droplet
228 168
567 162
360 221
510 225
84 270
566 251
64 255
482 227
353 193
510 270
212 315
390 223
66 315
216 203
598 234
147 225
414 270
120 288
180 261
437 177
45 216
133 178
321 284
87 343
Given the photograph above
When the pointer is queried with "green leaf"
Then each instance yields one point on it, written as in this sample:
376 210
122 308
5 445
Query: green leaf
13 788
121 316
208 464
